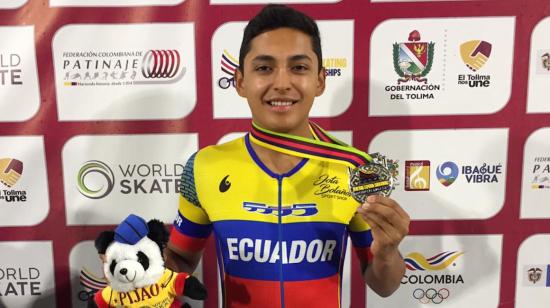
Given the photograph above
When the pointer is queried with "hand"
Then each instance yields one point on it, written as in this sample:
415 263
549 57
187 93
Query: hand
389 224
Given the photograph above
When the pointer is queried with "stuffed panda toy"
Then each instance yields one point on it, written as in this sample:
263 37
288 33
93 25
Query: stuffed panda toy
134 267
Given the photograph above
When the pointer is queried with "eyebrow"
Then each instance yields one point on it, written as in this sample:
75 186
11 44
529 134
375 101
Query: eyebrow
268 58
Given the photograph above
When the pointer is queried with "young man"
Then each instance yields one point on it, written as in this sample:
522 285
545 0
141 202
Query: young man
281 221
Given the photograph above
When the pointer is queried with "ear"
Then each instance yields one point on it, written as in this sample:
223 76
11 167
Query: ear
239 82
321 77
103 240
158 233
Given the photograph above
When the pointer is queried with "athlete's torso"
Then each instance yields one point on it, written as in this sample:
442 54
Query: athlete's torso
282 235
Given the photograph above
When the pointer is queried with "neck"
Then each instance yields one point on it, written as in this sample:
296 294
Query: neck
278 162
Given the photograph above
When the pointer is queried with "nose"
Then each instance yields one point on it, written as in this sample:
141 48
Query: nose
282 80
123 271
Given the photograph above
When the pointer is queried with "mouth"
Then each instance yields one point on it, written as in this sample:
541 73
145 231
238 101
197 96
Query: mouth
281 105
131 280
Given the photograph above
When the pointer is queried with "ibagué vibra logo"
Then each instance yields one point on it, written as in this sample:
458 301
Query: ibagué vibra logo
334 66
20 282
536 275
10 69
121 68
229 65
412 61
447 173
96 180
541 173
475 54
90 284
432 287
417 175
300 209
11 170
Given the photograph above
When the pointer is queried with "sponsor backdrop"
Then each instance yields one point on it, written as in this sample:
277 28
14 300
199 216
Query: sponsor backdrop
102 102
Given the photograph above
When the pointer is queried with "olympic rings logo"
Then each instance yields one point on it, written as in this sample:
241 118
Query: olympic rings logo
431 295
160 63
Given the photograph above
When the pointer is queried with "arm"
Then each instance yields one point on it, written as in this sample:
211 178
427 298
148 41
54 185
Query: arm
389 224
181 261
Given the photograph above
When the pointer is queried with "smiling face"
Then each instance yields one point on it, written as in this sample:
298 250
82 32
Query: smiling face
280 80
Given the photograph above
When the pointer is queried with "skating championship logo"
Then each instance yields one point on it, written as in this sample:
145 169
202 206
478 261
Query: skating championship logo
90 284
417 175
123 68
447 173
334 66
413 60
100 179
429 288
475 53
229 65
11 170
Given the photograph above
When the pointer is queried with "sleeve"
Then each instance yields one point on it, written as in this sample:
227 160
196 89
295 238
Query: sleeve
361 238
100 299
192 226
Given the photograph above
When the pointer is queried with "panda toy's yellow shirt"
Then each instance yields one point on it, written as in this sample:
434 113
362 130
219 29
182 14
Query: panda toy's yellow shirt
160 294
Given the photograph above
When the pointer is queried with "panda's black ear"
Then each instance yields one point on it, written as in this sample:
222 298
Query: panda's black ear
103 240
158 233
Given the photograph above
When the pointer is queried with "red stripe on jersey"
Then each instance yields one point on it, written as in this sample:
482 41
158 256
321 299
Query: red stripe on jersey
185 242
306 293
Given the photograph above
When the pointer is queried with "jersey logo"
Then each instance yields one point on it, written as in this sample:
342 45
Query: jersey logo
224 184
300 209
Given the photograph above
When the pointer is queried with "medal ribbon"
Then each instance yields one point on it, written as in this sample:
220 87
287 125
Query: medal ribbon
324 147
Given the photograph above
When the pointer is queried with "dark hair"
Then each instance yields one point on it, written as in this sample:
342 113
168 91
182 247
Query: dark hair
274 16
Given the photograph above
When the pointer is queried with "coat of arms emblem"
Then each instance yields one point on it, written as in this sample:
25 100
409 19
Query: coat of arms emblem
413 60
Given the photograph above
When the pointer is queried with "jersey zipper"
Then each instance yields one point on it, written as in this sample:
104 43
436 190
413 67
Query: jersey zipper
280 238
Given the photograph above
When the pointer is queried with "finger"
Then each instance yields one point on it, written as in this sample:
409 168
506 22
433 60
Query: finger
388 202
384 228
390 215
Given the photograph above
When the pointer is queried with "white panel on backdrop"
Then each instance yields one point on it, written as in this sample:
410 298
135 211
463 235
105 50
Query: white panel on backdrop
269 1
533 272
337 45
27 274
114 2
19 91
535 186
347 137
12 4
125 71
455 271
448 174
539 68
23 181
441 66
87 274
108 177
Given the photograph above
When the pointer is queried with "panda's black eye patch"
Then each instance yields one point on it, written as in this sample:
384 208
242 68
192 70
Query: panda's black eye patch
112 267
143 260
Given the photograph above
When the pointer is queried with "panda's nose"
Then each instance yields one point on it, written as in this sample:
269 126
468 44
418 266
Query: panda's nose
123 271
